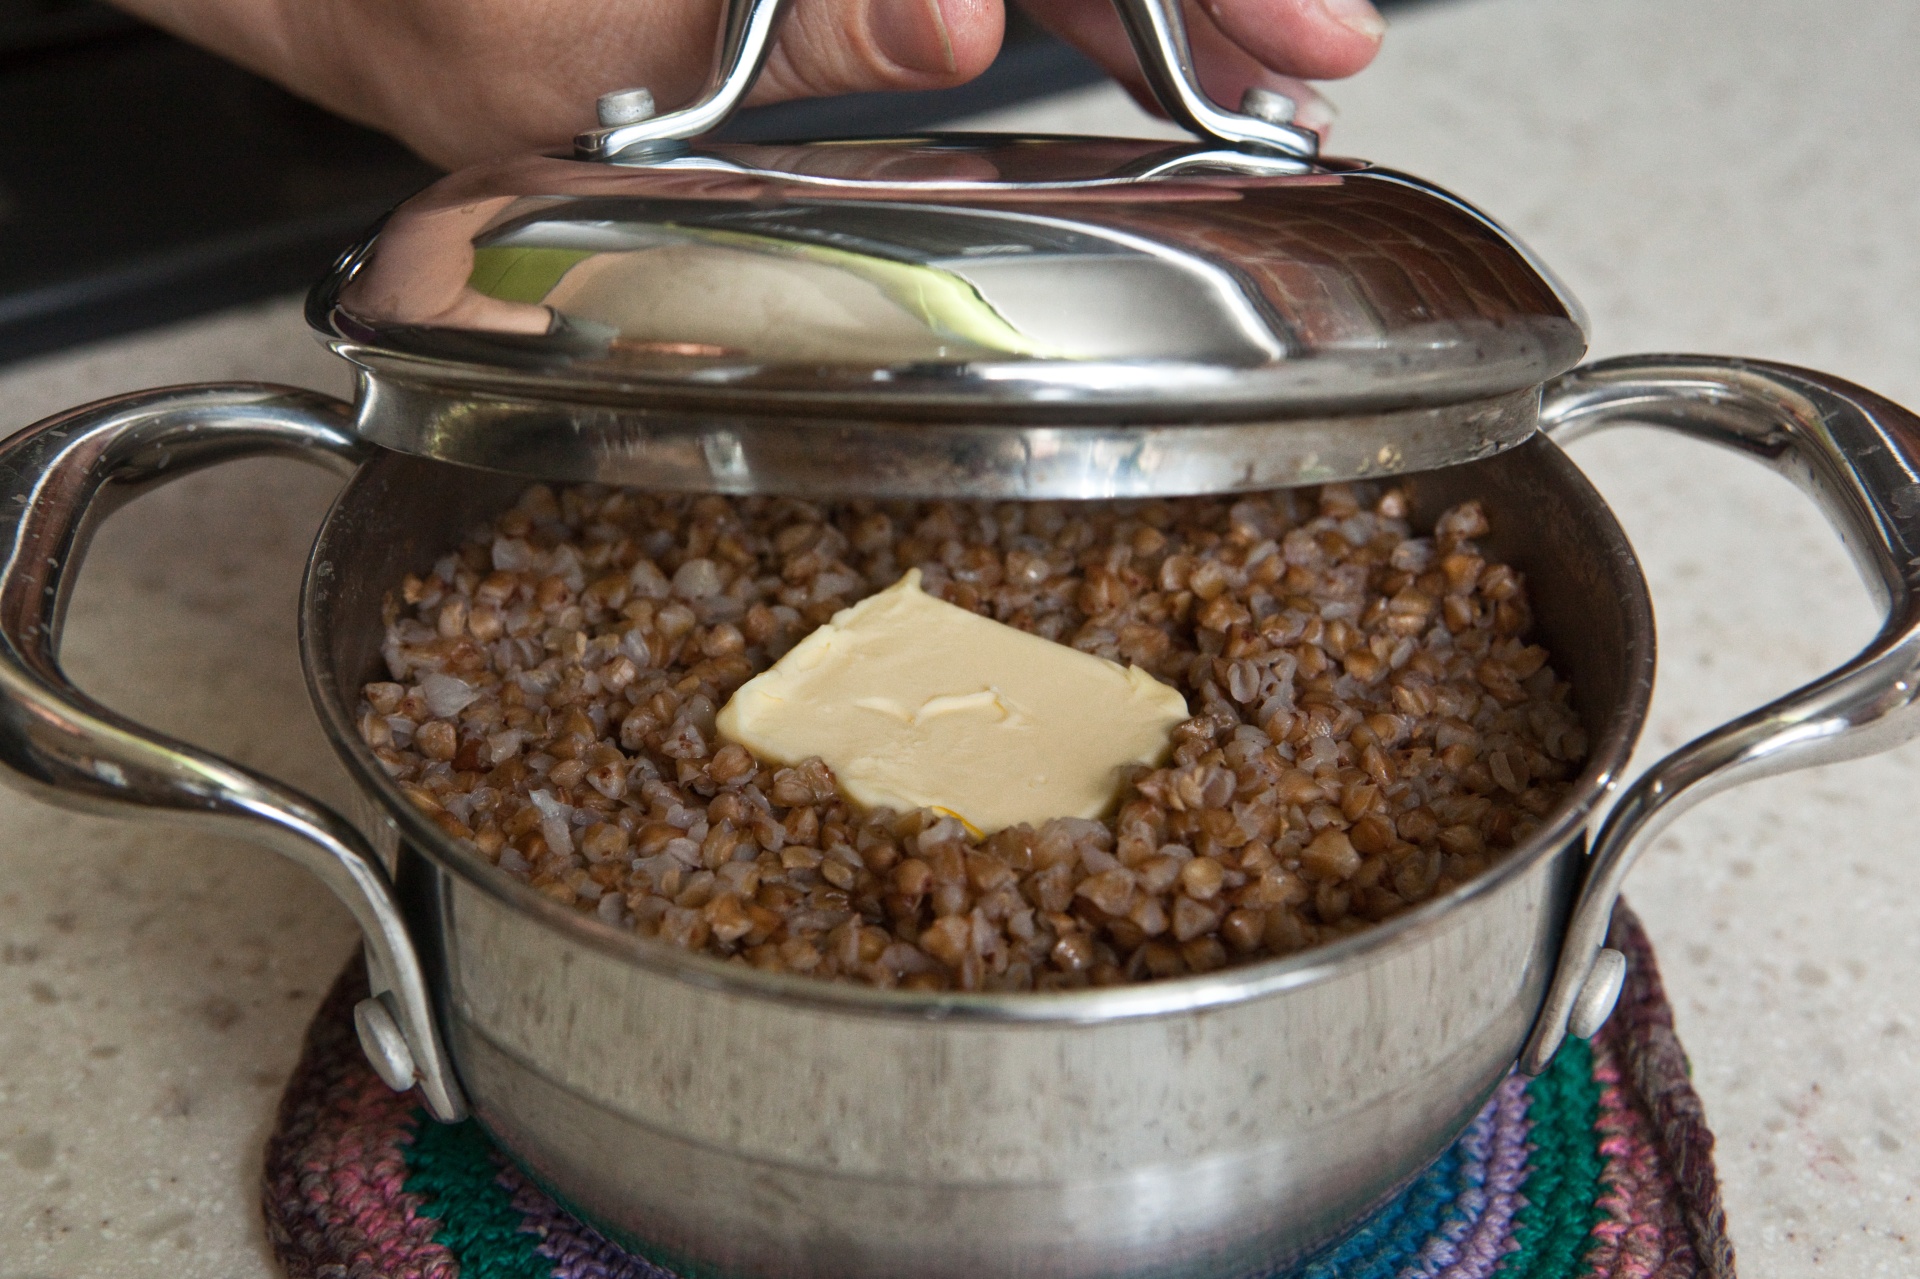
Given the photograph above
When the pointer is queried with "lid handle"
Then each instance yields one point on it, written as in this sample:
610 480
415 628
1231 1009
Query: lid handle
1158 29
628 126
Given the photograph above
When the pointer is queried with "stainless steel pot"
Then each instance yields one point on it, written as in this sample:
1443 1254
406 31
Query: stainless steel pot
1012 318
731 1122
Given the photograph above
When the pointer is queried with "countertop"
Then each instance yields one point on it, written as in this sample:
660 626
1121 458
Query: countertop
1727 175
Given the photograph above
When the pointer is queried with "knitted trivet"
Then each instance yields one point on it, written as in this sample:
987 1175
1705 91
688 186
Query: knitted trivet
1602 1168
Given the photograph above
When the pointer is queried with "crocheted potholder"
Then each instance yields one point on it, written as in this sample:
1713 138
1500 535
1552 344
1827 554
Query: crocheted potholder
1601 1168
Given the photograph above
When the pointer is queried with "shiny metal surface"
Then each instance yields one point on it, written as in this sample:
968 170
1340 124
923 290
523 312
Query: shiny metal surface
1269 105
624 106
1858 455
1158 31
384 1043
751 1124
58 479
971 311
752 1134
693 452
1598 994
747 29
740 1123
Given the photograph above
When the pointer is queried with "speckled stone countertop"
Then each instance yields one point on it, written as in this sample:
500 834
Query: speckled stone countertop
1727 175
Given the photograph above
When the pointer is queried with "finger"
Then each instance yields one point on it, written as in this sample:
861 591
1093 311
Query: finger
859 46
1227 71
1298 39
1316 39
466 80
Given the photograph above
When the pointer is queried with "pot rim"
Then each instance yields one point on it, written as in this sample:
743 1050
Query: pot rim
1607 759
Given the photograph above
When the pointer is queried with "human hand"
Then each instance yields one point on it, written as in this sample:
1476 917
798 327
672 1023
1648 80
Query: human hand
466 80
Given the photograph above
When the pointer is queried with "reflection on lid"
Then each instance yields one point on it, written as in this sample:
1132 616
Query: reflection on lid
874 281
1009 277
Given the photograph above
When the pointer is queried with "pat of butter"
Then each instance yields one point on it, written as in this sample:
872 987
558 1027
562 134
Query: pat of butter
916 703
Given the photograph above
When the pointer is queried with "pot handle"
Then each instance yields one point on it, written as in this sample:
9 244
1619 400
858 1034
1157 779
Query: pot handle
629 130
58 480
1857 455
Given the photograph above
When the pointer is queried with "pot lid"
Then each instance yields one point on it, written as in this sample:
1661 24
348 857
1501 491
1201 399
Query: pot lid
956 314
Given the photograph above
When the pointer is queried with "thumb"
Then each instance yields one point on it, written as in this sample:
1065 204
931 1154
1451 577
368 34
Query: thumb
859 46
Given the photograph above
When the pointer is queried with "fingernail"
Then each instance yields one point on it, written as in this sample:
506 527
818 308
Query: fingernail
1356 15
913 34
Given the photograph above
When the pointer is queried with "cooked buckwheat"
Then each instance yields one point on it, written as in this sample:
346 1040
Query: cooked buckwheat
1370 726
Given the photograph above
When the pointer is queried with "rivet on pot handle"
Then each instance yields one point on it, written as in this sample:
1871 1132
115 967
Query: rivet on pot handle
1855 453
58 480
1157 28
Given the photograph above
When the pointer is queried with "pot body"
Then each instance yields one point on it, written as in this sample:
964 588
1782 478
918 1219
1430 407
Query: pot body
724 1132
727 1122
